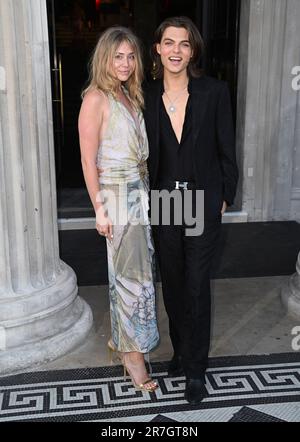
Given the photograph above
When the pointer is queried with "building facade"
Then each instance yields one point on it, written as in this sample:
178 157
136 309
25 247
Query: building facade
41 315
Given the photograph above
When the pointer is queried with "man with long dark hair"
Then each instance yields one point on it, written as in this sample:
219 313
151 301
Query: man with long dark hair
192 147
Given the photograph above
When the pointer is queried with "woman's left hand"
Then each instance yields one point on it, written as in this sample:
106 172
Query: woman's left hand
224 208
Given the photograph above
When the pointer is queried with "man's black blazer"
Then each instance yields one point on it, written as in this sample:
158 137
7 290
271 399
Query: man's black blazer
215 167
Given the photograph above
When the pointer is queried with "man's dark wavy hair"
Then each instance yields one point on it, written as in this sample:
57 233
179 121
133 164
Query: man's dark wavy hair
195 39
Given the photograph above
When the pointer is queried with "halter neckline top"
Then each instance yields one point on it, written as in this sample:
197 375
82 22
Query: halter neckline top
124 148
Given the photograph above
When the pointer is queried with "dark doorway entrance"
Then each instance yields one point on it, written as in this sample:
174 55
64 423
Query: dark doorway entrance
74 28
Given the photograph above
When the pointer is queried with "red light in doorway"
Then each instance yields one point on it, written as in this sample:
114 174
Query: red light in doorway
98 3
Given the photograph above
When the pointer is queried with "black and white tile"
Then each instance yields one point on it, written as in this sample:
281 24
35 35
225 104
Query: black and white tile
240 389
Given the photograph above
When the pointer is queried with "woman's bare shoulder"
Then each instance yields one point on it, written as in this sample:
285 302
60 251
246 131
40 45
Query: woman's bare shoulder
95 99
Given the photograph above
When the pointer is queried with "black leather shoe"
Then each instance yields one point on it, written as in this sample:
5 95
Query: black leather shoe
195 391
175 367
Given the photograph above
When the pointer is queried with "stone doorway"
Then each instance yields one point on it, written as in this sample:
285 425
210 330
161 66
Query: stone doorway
74 28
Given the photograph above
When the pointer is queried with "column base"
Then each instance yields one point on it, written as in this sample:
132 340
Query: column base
29 356
58 322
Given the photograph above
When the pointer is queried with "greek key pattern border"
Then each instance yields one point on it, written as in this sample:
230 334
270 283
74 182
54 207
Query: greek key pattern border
93 397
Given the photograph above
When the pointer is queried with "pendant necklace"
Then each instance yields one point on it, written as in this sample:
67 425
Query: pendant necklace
172 108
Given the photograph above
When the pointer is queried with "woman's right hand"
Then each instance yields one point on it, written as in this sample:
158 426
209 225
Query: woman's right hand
104 224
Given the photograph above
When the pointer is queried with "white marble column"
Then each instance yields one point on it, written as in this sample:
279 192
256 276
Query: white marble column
290 294
268 126
41 315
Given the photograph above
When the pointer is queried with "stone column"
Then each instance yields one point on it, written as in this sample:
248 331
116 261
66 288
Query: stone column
41 316
268 127
290 294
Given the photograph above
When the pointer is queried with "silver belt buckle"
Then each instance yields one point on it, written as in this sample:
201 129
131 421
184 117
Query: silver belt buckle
181 185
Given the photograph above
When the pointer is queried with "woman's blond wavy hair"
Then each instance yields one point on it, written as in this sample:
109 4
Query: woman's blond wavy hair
100 66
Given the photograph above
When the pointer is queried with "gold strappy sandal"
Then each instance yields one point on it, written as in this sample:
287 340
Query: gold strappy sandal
148 385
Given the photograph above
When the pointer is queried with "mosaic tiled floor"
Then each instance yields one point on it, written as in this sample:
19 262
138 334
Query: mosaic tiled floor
240 389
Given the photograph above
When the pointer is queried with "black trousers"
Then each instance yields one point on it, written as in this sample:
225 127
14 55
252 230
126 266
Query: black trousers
185 264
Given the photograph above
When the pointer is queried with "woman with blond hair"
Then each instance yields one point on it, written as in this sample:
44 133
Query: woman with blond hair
114 150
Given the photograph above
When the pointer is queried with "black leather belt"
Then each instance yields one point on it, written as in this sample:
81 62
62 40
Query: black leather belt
177 185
